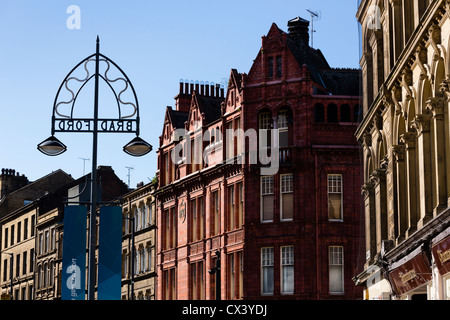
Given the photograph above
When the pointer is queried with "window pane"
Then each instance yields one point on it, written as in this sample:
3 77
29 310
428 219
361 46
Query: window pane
265 121
268 280
336 268
288 279
288 206
287 183
334 206
267 185
267 207
287 269
267 270
283 138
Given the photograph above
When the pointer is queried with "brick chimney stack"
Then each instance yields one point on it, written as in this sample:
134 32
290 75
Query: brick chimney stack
299 31
187 87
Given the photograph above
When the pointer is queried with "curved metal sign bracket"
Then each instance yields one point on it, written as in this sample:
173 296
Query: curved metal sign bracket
64 121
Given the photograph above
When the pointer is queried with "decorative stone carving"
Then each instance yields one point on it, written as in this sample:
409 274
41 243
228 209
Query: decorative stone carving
378 121
397 98
386 96
435 37
399 152
377 176
421 123
409 139
407 82
367 188
445 88
436 105
367 140
421 57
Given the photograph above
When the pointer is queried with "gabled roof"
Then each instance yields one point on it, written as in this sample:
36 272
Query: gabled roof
333 81
209 107
177 118
235 79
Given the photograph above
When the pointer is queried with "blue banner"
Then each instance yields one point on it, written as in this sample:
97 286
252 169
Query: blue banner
74 253
110 253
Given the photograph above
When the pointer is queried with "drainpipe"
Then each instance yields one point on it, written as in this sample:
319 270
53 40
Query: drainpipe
318 278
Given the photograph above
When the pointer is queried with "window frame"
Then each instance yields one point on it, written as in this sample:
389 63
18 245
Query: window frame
262 194
341 214
342 266
291 255
264 259
286 192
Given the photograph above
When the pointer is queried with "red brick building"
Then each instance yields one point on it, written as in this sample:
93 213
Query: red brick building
288 228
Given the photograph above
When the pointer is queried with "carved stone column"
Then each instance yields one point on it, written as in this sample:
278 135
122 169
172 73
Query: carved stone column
445 91
378 179
421 123
409 139
436 105
367 191
397 26
399 156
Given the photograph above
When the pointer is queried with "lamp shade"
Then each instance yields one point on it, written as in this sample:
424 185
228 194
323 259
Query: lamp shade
137 147
51 146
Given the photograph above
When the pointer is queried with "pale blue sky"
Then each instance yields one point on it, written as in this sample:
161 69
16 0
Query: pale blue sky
156 43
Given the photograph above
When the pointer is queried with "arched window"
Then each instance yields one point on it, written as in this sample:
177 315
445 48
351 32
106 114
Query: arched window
143 216
346 115
332 113
319 113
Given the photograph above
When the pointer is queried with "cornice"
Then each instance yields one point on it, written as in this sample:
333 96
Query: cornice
420 35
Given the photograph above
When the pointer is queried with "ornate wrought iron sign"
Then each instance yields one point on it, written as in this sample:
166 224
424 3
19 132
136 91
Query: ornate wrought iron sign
127 120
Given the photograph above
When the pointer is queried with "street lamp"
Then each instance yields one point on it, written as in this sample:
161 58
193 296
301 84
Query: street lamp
137 147
126 122
52 146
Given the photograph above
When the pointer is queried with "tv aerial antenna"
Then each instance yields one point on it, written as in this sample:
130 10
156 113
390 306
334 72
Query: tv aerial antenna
84 162
315 15
129 174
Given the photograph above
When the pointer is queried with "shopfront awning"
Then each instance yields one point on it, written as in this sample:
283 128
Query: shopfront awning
440 247
410 272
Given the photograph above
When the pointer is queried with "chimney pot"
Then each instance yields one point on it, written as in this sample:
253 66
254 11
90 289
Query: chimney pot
217 90
181 86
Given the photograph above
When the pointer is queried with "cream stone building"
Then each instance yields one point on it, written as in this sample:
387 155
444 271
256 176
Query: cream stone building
139 214
27 235
405 135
